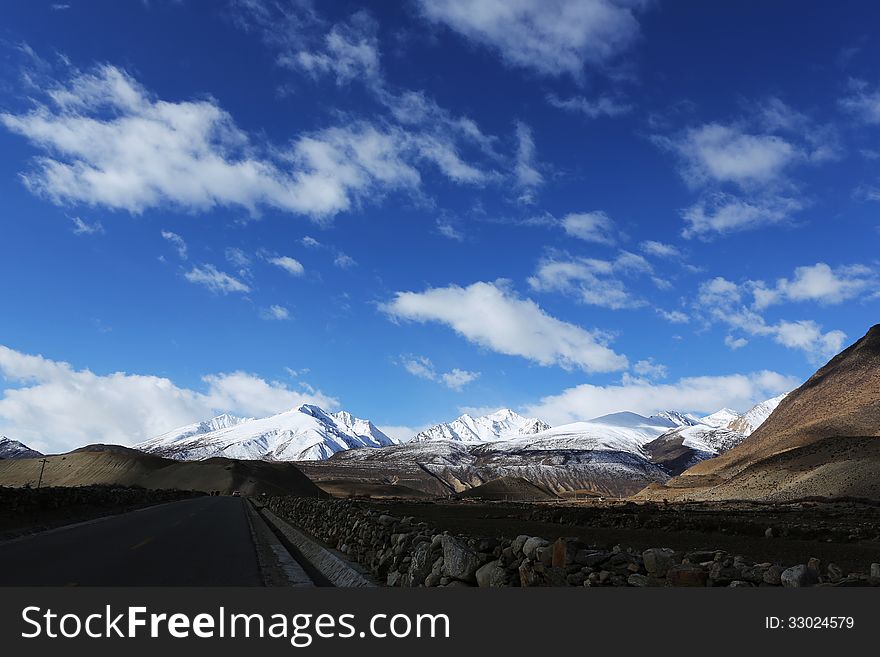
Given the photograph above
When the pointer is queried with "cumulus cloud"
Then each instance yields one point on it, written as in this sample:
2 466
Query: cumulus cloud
344 261
491 315
177 242
291 265
215 280
594 226
550 37
423 368
722 301
591 280
107 141
819 283
744 169
698 394
53 406
648 369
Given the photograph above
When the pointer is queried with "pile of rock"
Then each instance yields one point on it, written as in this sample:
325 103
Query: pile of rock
403 552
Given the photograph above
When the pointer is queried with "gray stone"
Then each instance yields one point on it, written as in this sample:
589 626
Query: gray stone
459 561
421 563
658 560
798 576
875 570
773 575
687 575
637 580
527 574
835 573
517 544
738 583
531 546
491 574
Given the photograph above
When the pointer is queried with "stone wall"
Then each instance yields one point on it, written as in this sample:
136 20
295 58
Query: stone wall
403 552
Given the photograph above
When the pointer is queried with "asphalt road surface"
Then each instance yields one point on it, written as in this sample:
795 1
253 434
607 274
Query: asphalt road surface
204 541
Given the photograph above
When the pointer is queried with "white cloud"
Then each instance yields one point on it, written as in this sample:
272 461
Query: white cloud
721 301
457 379
492 316
551 37
862 102
107 141
593 109
659 249
591 227
735 343
52 406
528 178
237 257
275 312
446 229
650 370
698 394
722 214
177 242
725 153
310 242
217 281
423 368
291 265
344 261
819 283
349 51
81 227
673 316
592 281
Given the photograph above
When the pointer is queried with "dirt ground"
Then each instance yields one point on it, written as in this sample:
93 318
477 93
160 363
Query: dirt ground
845 533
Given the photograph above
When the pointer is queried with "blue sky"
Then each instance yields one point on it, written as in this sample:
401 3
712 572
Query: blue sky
413 209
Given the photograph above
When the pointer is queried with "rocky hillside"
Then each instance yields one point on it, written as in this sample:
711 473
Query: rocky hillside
821 441
13 449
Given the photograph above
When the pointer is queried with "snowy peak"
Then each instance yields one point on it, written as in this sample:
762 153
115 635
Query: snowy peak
749 421
677 419
304 433
13 449
721 418
503 424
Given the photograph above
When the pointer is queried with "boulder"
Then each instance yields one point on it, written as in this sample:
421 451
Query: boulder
798 576
565 550
420 566
658 561
527 574
773 575
637 580
518 543
492 575
530 547
687 575
459 561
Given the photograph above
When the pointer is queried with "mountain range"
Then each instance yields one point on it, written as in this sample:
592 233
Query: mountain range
303 434
12 449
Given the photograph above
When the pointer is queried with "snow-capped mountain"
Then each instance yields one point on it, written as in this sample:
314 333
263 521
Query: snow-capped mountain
302 434
720 418
182 433
678 449
500 425
13 449
749 421
679 419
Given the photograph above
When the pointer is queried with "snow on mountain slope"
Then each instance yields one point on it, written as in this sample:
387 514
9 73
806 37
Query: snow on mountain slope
13 449
678 419
500 425
302 434
720 418
198 428
749 421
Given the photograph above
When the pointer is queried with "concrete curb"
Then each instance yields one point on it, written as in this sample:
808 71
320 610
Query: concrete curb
277 565
339 571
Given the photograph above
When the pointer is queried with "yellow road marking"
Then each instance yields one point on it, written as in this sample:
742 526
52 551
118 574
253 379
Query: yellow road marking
141 544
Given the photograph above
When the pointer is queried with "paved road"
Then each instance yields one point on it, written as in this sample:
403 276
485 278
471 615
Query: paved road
200 542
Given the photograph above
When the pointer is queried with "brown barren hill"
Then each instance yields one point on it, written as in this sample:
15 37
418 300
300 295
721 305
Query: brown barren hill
821 441
112 464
